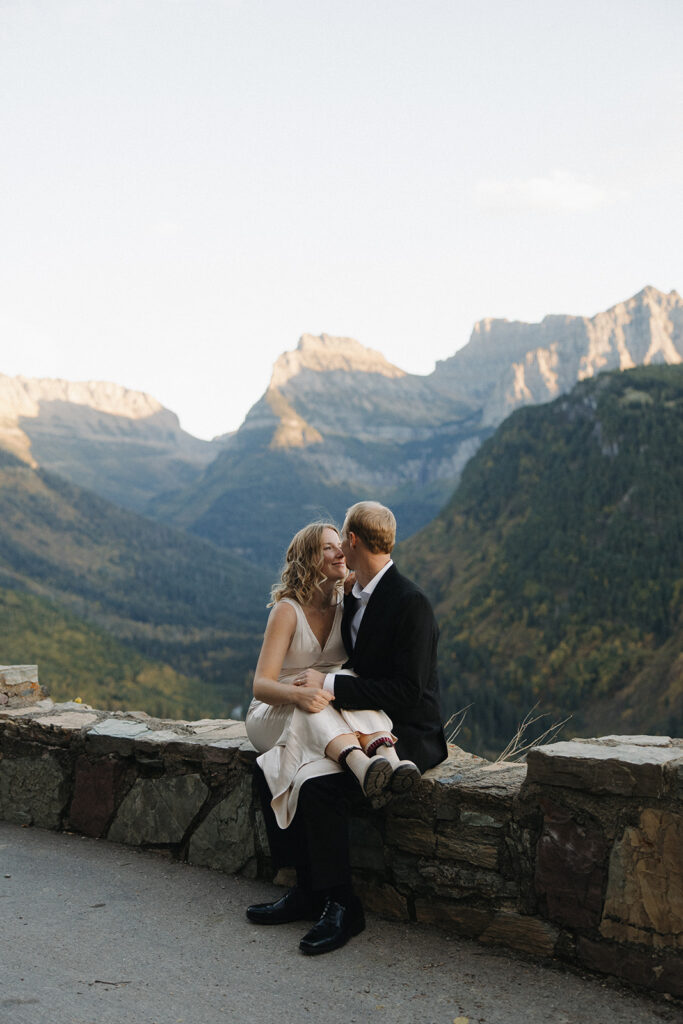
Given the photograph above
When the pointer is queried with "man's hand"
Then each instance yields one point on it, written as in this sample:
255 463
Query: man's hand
311 698
309 677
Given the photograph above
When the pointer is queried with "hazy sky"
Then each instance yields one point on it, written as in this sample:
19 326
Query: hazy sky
187 186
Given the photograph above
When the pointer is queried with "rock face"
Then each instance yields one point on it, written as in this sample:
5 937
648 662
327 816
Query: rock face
339 423
510 364
122 444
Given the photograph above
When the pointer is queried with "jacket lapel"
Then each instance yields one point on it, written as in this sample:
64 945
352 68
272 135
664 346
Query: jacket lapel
350 605
367 631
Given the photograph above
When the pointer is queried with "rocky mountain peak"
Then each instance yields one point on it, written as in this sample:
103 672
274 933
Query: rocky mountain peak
121 443
22 396
325 353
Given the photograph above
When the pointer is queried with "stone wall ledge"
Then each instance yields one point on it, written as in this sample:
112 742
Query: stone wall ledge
19 686
578 857
649 766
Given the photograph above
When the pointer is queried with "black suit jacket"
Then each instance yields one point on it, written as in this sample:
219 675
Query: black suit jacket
395 661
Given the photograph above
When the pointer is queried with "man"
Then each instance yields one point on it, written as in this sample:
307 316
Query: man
390 632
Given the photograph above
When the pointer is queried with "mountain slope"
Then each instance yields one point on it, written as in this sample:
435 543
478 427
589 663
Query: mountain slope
170 597
557 567
122 444
338 422
77 659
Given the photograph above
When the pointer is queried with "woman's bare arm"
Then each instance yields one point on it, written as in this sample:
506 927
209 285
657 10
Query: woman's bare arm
276 640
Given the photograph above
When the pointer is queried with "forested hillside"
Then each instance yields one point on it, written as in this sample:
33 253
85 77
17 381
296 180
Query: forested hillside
154 618
557 567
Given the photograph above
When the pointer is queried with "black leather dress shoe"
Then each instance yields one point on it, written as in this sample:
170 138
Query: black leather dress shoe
295 905
334 929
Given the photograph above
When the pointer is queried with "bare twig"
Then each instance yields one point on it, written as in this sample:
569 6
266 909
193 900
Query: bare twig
458 718
520 742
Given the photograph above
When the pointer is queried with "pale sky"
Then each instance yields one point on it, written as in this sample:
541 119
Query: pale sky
187 186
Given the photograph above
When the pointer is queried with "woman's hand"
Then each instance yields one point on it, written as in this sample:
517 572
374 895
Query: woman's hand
310 677
349 582
311 698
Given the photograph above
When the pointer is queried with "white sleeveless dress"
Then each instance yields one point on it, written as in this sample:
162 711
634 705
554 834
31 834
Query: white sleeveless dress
291 741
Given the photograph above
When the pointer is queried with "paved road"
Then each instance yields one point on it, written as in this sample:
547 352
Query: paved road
94 933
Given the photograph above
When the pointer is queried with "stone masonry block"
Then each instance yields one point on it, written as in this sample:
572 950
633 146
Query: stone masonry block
96 787
382 899
33 791
411 835
526 933
571 868
451 844
463 919
225 839
158 811
19 685
595 767
644 901
660 972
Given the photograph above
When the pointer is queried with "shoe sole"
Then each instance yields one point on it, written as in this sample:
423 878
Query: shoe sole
404 778
270 922
355 929
377 777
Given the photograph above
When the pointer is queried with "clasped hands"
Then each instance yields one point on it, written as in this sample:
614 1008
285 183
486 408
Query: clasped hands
310 696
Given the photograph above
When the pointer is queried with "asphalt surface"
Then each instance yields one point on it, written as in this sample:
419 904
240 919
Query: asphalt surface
95 933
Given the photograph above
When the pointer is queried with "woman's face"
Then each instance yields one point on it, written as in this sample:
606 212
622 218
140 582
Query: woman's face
334 563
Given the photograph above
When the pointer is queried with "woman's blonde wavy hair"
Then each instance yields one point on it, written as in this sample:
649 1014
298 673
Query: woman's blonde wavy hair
301 576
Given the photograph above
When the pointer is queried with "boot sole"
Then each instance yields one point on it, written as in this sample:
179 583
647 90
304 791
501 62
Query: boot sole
404 778
377 777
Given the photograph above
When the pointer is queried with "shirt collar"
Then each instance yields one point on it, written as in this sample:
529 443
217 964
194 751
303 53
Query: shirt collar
365 593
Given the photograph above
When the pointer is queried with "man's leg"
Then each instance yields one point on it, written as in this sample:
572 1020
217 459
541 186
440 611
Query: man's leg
288 849
323 817
324 806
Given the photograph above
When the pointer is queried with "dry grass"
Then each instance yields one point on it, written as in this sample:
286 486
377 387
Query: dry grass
520 743
455 722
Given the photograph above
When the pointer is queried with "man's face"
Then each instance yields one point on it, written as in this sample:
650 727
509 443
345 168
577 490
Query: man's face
349 553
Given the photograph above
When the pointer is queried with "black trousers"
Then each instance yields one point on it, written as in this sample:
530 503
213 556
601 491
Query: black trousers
317 840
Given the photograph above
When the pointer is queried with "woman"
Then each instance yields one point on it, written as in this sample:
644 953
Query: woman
299 734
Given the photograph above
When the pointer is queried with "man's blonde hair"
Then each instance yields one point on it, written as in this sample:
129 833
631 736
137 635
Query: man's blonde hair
374 524
301 574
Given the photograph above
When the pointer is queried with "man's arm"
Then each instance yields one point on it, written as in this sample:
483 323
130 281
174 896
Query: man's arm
407 660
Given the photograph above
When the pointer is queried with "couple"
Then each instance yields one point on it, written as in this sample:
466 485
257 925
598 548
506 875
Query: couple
329 735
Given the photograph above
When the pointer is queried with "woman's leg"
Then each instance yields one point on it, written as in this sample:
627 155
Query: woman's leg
404 773
373 774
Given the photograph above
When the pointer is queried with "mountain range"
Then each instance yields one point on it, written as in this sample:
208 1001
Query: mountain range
165 610
338 422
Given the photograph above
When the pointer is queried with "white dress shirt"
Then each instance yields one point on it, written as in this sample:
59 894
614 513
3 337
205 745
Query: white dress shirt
362 594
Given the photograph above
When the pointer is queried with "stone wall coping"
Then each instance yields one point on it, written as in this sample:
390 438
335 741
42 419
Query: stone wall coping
623 765
216 739
628 766
19 686
14 674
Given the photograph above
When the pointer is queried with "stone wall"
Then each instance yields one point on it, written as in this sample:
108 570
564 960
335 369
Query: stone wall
579 856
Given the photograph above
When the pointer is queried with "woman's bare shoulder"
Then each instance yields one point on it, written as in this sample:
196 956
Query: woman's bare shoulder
282 615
